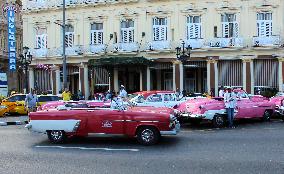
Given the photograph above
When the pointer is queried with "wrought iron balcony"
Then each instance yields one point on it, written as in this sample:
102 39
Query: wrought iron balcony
69 51
95 49
158 45
126 47
225 42
266 41
37 5
40 52
195 43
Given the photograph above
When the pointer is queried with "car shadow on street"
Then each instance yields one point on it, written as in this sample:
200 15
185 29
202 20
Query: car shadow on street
119 142
242 123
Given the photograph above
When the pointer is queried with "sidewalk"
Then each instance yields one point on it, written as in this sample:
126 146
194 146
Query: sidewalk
13 120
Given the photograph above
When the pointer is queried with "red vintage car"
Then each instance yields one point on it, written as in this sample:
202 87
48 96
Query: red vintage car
147 124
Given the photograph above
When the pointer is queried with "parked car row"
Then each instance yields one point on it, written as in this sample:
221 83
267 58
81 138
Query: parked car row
152 114
15 104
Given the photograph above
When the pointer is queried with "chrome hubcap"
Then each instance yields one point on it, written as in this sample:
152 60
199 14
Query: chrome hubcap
147 135
56 135
219 120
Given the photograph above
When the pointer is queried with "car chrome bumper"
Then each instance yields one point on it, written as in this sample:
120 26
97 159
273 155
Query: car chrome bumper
193 115
28 126
171 132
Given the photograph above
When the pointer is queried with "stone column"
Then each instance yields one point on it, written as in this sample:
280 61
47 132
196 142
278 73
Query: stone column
148 79
212 75
174 76
115 79
31 79
57 81
208 77
244 75
251 77
248 74
181 72
280 73
86 81
141 79
216 73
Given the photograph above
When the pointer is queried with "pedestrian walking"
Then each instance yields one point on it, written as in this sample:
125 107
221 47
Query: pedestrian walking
122 92
230 104
66 95
31 101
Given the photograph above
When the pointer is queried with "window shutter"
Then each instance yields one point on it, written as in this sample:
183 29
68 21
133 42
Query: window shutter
190 31
225 29
236 30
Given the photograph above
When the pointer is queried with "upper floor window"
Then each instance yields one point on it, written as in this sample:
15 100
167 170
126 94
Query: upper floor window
41 38
69 36
193 27
230 26
97 34
127 31
160 29
264 24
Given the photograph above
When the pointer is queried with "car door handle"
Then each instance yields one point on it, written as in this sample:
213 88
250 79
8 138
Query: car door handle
90 110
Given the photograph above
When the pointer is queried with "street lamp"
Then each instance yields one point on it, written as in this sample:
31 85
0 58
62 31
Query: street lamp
183 53
25 61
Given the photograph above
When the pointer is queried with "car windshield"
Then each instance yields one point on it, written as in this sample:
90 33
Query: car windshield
17 98
48 98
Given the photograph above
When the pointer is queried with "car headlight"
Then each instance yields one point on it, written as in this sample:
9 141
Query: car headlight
3 107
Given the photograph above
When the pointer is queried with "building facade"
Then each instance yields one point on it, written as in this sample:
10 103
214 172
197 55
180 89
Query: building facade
14 78
133 42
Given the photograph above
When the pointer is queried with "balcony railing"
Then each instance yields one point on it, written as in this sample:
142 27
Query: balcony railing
126 47
69 51
158 45
266 41
95 49
38 53
34 5
225 42
195 43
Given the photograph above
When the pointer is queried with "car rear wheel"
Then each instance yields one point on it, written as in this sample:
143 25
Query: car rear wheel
266 116
57 136
148 135
219 121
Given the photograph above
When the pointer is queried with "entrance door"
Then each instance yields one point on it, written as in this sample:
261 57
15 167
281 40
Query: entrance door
168 82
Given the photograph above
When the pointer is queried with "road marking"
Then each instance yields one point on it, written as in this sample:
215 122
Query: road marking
88 148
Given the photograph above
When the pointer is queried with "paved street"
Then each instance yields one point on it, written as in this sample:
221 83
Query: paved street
253 147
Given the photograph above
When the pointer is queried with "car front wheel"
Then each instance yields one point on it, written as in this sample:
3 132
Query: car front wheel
56 136
148 135
219 121
266 116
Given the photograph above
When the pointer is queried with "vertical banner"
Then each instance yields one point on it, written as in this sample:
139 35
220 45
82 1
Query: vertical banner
11 39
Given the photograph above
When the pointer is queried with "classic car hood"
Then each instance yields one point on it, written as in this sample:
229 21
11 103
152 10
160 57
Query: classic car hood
277 100
149 109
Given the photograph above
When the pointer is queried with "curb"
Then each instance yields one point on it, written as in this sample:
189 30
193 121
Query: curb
13 123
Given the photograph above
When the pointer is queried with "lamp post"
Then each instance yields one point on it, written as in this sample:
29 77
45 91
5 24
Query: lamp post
183 54
25 61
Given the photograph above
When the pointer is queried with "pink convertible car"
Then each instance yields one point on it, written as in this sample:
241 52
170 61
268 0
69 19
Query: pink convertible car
214 110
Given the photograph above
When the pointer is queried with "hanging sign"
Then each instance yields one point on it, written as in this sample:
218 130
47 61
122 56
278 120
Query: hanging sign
9 12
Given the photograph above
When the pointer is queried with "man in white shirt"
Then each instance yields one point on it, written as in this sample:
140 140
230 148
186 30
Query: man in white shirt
122 92
221 92
230 100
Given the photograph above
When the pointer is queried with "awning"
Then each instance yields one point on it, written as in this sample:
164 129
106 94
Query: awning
112 61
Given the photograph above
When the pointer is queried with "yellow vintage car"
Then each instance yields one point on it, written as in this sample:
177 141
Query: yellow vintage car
15 104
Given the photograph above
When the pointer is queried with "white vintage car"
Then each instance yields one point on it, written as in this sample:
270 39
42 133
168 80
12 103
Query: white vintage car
156 99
